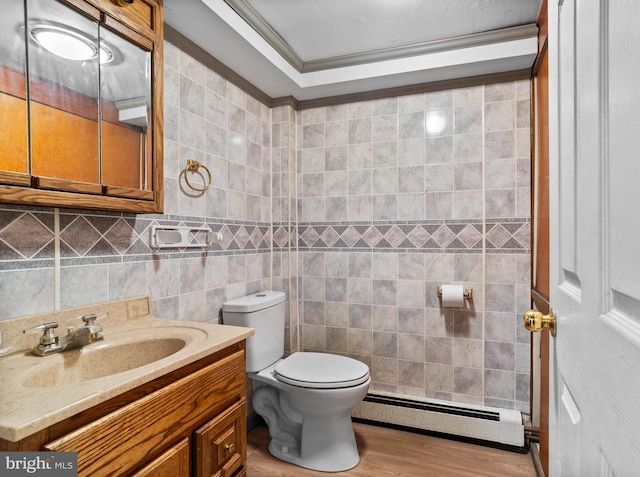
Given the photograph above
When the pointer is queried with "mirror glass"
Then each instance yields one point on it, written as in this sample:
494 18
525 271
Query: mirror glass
77 115
14 155
126 113
64 88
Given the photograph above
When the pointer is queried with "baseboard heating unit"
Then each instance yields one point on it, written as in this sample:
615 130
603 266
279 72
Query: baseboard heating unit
502 427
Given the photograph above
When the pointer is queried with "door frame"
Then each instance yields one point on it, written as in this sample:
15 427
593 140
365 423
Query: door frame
539 359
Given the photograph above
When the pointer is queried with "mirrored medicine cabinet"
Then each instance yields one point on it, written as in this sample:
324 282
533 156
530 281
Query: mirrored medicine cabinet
81 104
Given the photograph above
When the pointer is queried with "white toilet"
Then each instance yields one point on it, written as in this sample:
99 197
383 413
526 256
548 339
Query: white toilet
306 398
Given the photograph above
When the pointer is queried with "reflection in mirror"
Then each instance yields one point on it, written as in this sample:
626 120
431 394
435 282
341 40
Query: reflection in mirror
64 89
14 155
126 114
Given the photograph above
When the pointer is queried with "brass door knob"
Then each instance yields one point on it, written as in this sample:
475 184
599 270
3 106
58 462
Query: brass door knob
535 321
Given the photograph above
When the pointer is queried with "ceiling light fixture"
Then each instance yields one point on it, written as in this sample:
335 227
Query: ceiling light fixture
69 44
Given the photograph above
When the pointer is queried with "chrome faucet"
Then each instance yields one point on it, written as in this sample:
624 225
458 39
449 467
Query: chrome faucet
89 333
50 342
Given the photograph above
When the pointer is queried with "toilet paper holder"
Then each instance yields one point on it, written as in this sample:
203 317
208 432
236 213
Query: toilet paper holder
468 292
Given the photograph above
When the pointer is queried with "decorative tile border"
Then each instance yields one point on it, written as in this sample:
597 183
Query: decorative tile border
432 236
29 237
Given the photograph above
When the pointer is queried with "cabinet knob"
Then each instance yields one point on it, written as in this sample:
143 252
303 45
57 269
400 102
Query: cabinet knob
229 448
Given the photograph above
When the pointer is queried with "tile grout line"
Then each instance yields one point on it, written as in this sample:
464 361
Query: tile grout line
484 249
56 259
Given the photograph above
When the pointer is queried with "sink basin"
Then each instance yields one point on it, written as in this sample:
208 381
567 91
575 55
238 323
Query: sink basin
99 360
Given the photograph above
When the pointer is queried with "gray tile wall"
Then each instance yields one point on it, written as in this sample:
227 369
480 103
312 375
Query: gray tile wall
106 256
397 196
360 210
285 217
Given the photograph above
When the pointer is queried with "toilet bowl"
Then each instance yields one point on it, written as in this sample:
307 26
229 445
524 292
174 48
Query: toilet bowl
305 398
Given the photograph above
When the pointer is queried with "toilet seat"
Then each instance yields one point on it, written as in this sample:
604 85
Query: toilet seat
321 371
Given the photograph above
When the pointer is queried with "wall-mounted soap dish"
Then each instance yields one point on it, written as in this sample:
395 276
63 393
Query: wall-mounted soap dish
170 236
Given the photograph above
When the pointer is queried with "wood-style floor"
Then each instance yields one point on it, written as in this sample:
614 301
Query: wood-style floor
389 452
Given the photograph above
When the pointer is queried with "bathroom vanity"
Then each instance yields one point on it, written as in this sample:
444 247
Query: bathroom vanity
176 406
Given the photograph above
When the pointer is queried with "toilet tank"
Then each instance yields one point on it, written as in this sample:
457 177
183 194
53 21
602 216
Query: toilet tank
264 312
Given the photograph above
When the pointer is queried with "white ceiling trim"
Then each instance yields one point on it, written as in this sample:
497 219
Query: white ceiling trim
255 21
264 29
459 57
422 49
425 63
242 28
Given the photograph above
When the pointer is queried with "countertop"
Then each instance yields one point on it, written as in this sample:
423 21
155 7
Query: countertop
37 392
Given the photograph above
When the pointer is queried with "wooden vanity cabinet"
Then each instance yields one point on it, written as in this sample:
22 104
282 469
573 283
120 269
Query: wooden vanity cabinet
172 463
190 422
221 444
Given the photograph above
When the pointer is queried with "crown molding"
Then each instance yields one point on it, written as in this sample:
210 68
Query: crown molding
264 29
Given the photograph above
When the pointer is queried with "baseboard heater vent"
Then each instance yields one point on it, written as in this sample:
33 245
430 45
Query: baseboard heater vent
502 427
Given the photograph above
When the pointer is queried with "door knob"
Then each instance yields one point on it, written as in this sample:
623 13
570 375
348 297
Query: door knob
535 321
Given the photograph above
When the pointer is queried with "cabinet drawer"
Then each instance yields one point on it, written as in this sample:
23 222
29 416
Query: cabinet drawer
172 463
118 442
221 443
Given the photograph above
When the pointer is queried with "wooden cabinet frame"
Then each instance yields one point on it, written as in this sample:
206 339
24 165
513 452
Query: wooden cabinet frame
142 23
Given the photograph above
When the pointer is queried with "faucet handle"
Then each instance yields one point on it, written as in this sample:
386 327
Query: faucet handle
91 318
93 329
48 336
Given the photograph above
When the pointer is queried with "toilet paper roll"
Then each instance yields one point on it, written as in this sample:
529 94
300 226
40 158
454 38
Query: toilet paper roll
452 296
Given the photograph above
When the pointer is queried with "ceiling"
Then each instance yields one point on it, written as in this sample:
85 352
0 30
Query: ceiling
313 49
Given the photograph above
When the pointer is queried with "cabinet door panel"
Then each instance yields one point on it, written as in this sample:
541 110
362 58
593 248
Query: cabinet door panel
172 463
221 443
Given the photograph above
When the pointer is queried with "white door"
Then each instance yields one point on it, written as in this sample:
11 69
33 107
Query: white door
594 123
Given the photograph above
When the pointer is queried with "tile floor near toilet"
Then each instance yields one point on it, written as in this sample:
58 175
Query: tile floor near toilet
389 452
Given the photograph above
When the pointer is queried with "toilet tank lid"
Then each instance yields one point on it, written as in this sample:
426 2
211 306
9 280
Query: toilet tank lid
257 301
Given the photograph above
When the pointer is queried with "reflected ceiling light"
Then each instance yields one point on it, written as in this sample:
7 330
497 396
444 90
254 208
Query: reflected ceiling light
435 122
69 44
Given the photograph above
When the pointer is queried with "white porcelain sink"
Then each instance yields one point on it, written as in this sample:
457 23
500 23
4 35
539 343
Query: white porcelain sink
100 360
